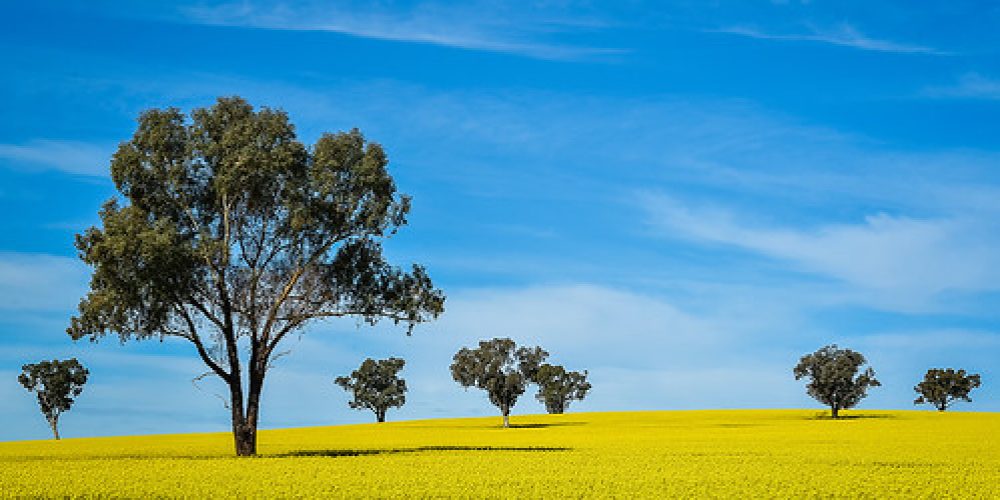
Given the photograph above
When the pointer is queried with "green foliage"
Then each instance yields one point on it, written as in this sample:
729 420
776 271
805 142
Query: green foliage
229 228
943 387
558 387
55 383
834 379
500 368
376 386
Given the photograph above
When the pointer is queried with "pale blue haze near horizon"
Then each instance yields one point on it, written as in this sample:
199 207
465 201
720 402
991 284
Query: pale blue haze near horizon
680 197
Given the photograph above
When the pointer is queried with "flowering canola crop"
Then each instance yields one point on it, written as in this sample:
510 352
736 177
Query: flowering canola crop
735 454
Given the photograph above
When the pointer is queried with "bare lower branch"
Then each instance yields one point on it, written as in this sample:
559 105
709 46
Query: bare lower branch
297 320
194 382
192 335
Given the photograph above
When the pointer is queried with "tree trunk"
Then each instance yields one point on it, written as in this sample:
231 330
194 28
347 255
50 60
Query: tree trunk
244 425
558 407
54 424
245 435
246 440
380 416
506 416
835 410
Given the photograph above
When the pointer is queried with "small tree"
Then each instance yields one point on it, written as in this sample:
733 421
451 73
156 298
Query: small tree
500 368
55 383
834 379
376 386
942 387
558 387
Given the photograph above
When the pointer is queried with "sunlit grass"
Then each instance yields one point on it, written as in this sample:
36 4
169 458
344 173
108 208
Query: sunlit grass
773 453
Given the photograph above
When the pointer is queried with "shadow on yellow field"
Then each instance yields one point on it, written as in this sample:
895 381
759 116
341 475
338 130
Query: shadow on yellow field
826 416
543 426
419 449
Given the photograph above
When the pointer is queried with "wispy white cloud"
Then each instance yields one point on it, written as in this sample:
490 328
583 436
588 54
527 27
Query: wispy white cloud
969 86
466 26
39 282
844 35
905 259
74 157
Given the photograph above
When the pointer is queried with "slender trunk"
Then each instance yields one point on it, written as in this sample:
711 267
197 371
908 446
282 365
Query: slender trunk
506 415
380 415
244 434
836 411
54 424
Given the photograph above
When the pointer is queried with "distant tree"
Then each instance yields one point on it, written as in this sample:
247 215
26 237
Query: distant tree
500 368
55 383
376 386
943 387
231 234
558 387
834 379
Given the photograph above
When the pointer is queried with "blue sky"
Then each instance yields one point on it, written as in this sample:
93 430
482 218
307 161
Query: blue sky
680 197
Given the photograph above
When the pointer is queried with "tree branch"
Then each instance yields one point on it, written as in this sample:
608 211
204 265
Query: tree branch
295 321
200 346
205 312
286 292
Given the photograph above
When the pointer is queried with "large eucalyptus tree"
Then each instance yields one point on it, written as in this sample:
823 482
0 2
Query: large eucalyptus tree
231 234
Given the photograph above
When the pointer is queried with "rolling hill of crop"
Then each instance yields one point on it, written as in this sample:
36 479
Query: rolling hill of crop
779 453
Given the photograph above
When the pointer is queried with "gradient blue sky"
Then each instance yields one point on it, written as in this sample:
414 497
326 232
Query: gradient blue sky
681 197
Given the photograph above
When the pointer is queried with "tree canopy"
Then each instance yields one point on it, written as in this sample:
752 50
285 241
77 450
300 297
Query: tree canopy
943 387
834 377
376 386
557 388
501 368
231 234
56 384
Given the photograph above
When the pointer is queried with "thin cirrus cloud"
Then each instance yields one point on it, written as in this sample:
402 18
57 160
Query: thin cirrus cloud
74 157
844 35
906 259
468 28
969 86
40 282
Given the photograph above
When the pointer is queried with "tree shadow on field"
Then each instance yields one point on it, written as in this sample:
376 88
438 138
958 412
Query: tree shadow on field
291 454
418 449
542 426
827 416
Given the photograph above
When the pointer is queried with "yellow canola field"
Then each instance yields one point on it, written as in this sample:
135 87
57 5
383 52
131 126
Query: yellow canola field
734 454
